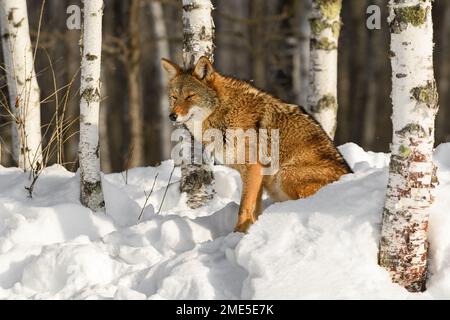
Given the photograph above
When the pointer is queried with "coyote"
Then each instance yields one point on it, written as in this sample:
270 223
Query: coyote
308 159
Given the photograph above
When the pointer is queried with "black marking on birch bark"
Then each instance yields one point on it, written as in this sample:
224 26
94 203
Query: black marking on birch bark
11 14
89 188
401 75
91 57
190 7
18 24
196 183
202 34
396 165
91 95
403 193
318 25
412 130
404 16
326 102
426 94
323 44
434 177
196 179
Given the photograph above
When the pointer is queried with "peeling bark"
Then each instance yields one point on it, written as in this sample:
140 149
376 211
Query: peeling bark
91 194
198 35
403 245
24 93
322 96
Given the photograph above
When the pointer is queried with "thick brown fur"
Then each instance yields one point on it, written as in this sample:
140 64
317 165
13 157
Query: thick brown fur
308 159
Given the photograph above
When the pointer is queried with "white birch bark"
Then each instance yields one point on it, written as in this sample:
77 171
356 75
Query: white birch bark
24 93
198 31
198 35
162 51
91 41
403 244
322 96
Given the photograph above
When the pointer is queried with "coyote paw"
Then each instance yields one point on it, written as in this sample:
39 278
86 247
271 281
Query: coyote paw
243 226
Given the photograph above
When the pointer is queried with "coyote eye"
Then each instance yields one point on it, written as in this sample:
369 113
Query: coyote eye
189 97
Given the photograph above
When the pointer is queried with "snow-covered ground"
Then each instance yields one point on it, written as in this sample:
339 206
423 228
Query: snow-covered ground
324 246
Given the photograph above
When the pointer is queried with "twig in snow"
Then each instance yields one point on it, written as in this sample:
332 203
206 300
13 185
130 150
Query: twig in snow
165 191
148 196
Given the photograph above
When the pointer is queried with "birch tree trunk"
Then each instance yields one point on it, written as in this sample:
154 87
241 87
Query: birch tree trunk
162 51
91 40
24 94
198 34
403 244
134 87
325 28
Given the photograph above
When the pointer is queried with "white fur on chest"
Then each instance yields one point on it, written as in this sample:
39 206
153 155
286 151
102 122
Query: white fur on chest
196 116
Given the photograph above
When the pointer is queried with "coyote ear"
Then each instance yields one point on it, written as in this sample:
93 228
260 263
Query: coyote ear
203 69
171 68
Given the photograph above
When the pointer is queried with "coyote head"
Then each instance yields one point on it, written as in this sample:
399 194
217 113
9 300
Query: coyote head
191 95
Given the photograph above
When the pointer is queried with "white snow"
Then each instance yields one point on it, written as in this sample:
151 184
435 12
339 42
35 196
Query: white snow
321 247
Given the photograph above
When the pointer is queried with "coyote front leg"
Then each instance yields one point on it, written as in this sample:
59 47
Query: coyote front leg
251 197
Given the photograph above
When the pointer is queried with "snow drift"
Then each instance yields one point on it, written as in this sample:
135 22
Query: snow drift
322 247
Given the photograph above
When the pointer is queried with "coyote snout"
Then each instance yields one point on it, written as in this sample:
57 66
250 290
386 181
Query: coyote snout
308 159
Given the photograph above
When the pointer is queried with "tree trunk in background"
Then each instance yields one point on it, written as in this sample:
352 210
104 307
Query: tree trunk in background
232 54
359 73
162 51
91 40
259 65
198 35
105 155
344 84
24 94
443 72
325 28
136 151
300 68
376 66
370 104
403 244
71 137
383 121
